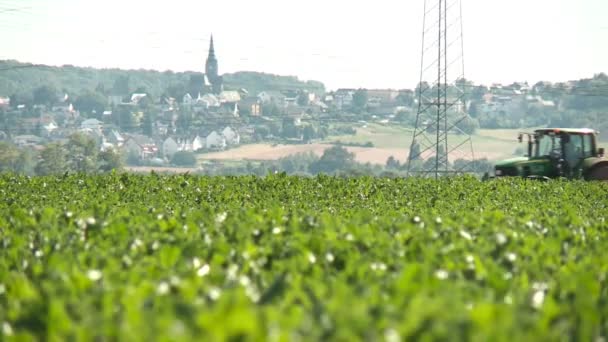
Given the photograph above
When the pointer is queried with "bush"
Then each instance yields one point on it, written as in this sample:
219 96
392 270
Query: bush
184 158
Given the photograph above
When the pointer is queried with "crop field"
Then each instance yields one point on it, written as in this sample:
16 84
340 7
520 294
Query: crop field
150 257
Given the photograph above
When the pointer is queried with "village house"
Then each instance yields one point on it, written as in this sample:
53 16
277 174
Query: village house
198 143
42 126
137 97
232 137
28 140
141 146
169 148
274 97
115 138
92 124
251 105
291 97
208 101
343 98
187 100
382 96
215 141
229 97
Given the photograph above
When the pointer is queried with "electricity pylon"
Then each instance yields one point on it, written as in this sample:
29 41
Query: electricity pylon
438 138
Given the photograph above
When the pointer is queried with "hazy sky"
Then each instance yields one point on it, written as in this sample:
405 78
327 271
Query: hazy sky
341 43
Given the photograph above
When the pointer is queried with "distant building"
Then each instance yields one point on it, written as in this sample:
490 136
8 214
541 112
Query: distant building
251 105
5 103
212 72
169 148
343 98
135 98
115 138
50 127
198 143
232 137
272 97
92 124
209 101
229 97
382 95
215 141
187 100
141 146
291 97
27 140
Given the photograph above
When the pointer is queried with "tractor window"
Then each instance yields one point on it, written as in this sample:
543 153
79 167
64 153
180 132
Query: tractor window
547 145
588 146
574 149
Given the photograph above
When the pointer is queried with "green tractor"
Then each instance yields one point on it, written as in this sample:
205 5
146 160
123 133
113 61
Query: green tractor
558 153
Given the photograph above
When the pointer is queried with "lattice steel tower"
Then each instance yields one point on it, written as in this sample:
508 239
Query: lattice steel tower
439 139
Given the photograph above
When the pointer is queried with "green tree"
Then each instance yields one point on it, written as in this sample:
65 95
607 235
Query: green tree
110 159
124 117
360 99
261 132
289 129
322 132
23 98
474 109
333 159
177 91
45 95
26 163
9 155
303 99
405 98
184 158
121 85
184 121
271 110
392 163
147 124
415 151
275 128
468 125
90 102
146 103
308 133
196 85
53 160
422 88
141 90
101 89
82 153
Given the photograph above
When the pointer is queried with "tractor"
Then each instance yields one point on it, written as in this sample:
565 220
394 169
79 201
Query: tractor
558 153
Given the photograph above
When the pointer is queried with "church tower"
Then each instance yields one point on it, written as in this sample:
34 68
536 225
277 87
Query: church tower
211 70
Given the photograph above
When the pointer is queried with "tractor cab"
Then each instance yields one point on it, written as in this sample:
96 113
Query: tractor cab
557 152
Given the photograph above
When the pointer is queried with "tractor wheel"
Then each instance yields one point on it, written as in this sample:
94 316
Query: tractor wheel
599 173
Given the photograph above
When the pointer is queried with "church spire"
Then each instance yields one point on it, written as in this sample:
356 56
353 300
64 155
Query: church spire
211 69
211 49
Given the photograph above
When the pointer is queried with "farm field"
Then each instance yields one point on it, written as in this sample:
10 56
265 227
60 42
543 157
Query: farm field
133 257
493 144
273 152
388 141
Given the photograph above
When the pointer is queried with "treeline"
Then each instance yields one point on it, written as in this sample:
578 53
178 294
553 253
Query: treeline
22 79
79 153
337 160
